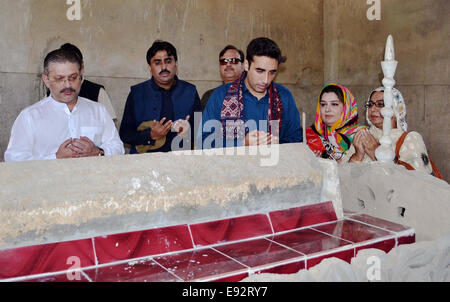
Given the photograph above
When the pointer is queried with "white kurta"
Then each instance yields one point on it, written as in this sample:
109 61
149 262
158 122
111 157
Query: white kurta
41 128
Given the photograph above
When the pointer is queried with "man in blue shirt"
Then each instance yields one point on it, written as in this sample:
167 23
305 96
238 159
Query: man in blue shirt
162 108
253 110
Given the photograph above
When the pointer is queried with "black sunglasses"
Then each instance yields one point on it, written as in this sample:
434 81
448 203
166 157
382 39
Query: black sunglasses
229 60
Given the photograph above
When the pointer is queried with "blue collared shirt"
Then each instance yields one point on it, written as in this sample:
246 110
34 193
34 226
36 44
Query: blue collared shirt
254 110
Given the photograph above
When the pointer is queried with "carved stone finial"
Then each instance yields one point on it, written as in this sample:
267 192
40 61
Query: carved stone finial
385 152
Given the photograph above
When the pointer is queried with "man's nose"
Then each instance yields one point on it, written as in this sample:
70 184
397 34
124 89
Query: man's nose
67 83
266 78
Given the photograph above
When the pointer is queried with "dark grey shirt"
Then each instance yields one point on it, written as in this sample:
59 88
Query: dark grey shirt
205 98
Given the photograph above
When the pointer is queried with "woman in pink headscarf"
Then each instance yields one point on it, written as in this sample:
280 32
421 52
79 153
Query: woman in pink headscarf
335 123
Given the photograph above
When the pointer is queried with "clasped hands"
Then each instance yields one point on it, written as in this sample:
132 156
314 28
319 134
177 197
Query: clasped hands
364 143
77 147
160 129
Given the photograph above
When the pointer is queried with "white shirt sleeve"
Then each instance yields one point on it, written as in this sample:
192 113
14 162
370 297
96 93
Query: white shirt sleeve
111 142
20 143
103 98
20 146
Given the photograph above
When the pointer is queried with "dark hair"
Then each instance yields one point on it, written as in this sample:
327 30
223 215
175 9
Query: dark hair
264 47
61 56
159 45
333 88
71 47
228 47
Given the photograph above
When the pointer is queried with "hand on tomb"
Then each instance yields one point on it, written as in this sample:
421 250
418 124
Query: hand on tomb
65 151
159 129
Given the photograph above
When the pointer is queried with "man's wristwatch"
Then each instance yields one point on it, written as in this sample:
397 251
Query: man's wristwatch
101 152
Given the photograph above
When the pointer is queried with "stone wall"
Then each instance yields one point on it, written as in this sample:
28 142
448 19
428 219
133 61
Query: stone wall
324 40
354 47
114 36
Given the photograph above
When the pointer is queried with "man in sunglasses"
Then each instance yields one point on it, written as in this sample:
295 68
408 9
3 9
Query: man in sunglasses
252 110
231 66
161 108
63 125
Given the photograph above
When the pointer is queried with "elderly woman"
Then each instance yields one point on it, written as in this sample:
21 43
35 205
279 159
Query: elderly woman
409 146
335 123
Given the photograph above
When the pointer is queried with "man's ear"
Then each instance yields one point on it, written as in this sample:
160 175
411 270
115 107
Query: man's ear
246 65
46 80
150 69
82 69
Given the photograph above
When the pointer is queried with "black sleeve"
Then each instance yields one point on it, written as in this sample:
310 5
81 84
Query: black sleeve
128 129
205 98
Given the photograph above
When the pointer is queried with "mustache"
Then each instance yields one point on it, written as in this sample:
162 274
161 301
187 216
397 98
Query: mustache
68 89
165 70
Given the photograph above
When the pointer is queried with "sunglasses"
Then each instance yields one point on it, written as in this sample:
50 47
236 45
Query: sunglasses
229 60
379 104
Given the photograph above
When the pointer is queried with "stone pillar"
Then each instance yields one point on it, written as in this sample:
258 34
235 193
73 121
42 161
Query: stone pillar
384 152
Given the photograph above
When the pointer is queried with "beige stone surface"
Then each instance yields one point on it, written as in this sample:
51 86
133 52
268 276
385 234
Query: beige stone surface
391 192
437 131
115 38
418 28
61 200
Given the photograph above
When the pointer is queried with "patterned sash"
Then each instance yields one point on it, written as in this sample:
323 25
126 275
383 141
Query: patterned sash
232 113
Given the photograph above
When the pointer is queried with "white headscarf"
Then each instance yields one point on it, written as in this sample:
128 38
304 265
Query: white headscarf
398 107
